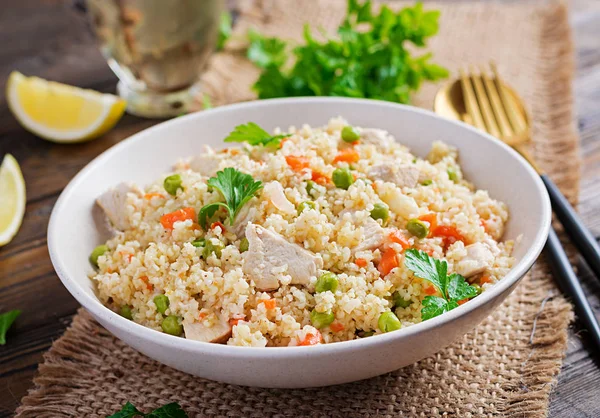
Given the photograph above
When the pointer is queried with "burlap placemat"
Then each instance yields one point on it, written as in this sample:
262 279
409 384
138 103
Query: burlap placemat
505 367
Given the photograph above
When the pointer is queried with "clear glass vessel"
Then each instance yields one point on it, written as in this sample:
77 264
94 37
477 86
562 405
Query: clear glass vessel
157 49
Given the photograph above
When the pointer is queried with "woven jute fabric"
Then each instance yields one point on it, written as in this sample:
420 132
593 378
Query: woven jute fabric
505 367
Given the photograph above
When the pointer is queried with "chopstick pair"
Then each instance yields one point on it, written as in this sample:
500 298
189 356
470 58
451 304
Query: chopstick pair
493 108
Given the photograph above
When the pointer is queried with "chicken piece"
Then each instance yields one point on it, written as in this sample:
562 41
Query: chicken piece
402 176
400 203
378 137
373 236
276 195
207 163
246 214
114 201
478 258
269 256
218 333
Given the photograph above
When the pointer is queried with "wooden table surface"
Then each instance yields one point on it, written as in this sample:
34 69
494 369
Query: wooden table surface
49 39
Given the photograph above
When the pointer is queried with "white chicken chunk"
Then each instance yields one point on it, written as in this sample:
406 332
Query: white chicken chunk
273 191
218 333
269 256
402 176
378 137
245 215
114 201
478 259
373 236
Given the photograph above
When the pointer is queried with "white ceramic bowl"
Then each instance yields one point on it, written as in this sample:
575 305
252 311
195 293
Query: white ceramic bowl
73 233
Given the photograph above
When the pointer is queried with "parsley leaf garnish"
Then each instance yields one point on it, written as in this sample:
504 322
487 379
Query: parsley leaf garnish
253 135
6 320
453 288
236 187
171 410
370 57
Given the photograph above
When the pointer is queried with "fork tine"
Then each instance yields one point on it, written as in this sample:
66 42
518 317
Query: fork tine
515 117
484 105
470 101
501 117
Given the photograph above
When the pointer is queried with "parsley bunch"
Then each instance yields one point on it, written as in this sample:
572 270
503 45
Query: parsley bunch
453 288
171 410
369 58
236 187
254 135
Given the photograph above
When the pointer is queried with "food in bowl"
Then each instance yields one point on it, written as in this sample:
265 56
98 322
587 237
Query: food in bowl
302 237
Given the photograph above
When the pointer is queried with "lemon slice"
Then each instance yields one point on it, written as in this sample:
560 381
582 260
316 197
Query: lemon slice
61 113
12 199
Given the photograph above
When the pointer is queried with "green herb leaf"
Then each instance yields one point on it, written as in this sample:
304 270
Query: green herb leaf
171 410
428 268
236 187
433 306
207 212
459 289
206 103
253 135
224 30
6 320
266 52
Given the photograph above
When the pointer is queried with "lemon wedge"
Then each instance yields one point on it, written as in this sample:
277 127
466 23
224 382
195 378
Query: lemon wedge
61 113
12 199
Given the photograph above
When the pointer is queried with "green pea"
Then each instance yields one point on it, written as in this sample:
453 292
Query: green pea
350 134
388 321
400 302
244 245
342 178
477 287
97 252
172 183
310 186
321 319
210 248
327 281
306 206
198 243
171 325
125 312
380 211
418 228
427 182
452 174
162 303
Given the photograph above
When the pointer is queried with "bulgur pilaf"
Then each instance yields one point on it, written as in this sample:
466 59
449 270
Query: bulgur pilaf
316 255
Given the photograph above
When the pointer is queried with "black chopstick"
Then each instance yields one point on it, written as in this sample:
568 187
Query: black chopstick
574 227
569 284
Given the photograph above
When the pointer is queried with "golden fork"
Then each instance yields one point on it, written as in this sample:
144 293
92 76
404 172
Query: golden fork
492 107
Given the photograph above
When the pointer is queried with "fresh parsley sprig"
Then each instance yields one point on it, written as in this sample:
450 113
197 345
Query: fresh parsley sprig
254 135
6 320
236 187
170 410
453 288
370 57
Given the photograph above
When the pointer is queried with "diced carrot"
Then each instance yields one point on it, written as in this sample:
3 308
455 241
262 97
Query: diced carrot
431 218
311 339
202 315
449 233
296 162
147 281
217 224
430 290
460 302
234 321
388 262
319 178
485 279
167 220
399 238
361 262
269 303
347 155
234 151
336 327
149 196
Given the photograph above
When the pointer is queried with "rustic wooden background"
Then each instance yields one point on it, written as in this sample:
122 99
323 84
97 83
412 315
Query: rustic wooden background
49 39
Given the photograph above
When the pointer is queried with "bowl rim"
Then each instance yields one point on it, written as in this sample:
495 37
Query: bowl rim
90 302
